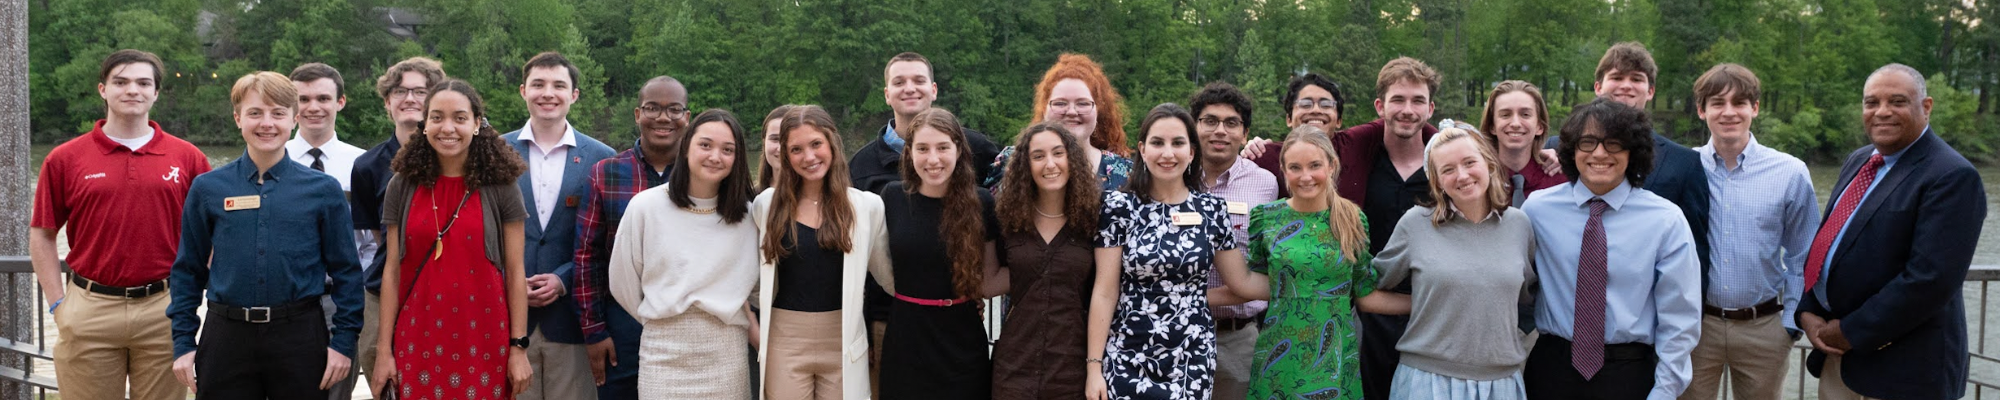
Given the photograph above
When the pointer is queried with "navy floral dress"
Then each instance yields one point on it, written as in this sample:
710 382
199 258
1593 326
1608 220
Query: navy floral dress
1162 339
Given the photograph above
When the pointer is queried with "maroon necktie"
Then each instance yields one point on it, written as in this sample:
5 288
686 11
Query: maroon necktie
1586 346
1850 199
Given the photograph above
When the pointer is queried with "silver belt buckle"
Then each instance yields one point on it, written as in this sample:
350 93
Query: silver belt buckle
251 314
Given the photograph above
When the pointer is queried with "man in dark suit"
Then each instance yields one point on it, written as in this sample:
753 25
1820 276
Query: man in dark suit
909 89
1884 272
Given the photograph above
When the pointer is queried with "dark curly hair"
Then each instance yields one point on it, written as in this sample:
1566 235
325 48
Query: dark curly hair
1221 93
489 161
1081 195
1141 184
733 194
1613 121
1299 84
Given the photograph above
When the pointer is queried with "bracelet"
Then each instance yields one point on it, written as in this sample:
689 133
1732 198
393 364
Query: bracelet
58 303
1093 361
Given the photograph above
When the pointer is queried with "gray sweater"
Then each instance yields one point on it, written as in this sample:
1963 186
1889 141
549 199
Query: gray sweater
1467 282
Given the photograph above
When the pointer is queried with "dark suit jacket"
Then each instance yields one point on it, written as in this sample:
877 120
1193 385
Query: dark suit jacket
875 165
1678 177
1896 275
552 249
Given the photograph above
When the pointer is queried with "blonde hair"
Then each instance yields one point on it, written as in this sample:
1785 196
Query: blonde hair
1496 192
276 89
1344 217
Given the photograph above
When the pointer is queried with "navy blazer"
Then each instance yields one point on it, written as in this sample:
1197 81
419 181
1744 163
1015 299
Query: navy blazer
1678 177
552 249
1897 274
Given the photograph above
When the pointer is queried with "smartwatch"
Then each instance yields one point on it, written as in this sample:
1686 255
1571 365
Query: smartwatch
521 342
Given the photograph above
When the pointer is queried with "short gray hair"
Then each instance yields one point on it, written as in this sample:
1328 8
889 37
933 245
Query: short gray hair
1922 92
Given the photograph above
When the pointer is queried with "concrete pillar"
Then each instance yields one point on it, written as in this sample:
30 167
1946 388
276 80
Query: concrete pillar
17 309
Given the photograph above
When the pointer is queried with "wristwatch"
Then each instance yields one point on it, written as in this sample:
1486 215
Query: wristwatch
521 342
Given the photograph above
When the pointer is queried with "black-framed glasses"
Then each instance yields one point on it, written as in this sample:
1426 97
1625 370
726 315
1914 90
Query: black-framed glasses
1213 122
399 93
1590 144
653 111
1323 104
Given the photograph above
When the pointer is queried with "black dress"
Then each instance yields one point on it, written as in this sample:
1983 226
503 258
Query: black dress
931 352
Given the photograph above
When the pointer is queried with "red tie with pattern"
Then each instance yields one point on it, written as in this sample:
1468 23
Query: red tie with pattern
1850 199
1586 346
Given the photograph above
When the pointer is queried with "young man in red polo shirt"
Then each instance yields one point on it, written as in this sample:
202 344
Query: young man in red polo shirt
118 190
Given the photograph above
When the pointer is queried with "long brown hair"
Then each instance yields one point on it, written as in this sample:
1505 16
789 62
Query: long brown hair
1344 217
1110 134
1497 195
835 210
732 194
488 160
764 173
1016 203
963 229
1489 126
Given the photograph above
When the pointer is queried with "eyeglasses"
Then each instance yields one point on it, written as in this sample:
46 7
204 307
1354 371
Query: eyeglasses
1073 106
653 111
1589 144
1323 104
1213 122
399 93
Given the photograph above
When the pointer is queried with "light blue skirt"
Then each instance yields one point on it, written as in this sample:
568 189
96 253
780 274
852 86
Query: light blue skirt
1416 384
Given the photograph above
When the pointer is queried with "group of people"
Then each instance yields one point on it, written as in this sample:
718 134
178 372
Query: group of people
1519 258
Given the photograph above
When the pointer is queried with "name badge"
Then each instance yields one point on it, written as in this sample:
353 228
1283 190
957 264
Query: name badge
1239 208
1186 219
251 202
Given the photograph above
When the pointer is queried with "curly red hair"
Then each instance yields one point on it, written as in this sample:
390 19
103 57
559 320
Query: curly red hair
1110 135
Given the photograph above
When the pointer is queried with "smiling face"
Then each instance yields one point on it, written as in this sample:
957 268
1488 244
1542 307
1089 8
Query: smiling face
808 152
549 93
1049 161
406 100
319 102
1517 123
1600 169
934 156
661 115
449 124
1728 115
1893 111
1461 172
1307 169
711 153
1630 87
1071 105
1167 150
1326 118
1223 131
130 90
910 89
1405 107
265 125
773 149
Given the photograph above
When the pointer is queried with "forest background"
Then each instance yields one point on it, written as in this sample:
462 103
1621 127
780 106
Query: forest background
749 56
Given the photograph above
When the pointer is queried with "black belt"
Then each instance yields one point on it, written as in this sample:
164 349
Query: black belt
1768 307
259 315
134 292
1230 324
1620 351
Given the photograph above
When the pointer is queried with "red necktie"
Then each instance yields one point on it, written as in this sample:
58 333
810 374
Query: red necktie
1850 199
1586 346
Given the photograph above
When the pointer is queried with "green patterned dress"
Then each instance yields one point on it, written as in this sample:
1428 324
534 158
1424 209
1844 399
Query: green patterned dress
1308 348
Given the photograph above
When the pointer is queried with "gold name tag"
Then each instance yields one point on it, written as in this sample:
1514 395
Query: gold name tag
1239 208
251 202
1186 219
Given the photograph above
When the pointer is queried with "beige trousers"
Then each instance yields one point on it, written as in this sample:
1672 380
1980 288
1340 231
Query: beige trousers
1234 351
103 340
562 371
1754 353
804 359
1831 387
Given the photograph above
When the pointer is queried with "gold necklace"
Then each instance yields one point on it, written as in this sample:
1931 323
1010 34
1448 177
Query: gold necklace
1038 210
700 211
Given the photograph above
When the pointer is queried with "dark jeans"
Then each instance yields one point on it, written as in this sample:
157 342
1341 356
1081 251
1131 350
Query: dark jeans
1379 334
282 359
1627 372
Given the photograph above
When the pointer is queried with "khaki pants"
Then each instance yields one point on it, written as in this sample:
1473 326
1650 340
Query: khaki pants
562 371
1831 387
1753 352
804 359
105 339
1235 348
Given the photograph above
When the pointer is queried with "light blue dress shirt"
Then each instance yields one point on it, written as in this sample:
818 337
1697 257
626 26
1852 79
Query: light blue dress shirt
1762 216
1888 162
1653 293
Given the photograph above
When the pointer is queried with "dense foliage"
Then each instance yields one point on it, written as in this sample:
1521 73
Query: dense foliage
752 55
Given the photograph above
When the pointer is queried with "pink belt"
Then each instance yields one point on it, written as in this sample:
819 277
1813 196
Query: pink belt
932 303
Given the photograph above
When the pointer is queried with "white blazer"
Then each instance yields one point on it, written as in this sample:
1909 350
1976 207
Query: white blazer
871 253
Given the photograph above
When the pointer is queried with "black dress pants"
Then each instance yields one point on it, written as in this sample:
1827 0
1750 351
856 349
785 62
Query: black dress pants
1627 372
281 359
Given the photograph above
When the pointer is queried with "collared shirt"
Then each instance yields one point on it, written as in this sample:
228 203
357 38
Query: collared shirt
1888 161
1762 216
1652 296
1388 196
545 168
280 252
613 182
336 156
120 208
370 182
1243 186
889 137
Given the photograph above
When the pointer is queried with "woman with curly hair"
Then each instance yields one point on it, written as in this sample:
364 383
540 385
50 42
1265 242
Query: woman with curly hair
1048 217
1076 94
457 311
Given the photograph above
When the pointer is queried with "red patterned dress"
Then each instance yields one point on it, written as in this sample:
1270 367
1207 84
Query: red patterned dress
451 338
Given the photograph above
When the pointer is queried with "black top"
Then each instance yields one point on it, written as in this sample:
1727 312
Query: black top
1389 196
916 245
931 352
368 182
809 276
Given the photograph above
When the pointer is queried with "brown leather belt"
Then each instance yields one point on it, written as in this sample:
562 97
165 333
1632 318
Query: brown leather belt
1768 307
135 292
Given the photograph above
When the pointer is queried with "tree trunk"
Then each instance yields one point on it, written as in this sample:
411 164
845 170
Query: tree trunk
18 307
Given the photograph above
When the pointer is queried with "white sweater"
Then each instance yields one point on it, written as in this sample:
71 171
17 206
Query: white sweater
667 260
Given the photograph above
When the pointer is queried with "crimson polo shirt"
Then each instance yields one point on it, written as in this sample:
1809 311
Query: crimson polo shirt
122 207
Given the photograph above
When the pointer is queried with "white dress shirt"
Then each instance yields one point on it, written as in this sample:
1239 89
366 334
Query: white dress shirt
337 157
545 167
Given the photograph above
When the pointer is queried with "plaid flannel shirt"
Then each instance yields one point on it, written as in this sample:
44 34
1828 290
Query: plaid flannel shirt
613 182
